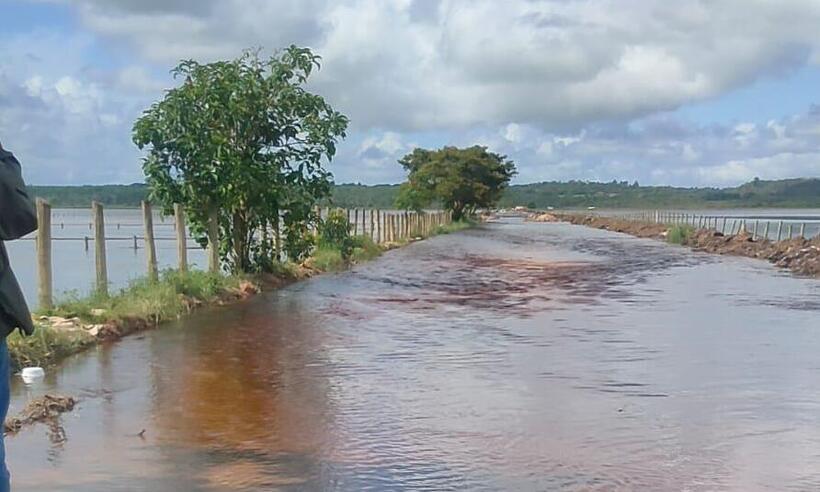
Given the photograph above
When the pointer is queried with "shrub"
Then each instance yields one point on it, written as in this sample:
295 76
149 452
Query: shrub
328 259
364 249
456 226
678 234
334 233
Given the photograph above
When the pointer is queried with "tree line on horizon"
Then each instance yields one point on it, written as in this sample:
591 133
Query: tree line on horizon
800 193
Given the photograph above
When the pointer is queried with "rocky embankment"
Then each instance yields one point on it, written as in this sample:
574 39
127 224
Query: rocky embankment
541 217
802 256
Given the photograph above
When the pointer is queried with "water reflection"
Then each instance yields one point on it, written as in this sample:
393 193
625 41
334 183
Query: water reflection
514 357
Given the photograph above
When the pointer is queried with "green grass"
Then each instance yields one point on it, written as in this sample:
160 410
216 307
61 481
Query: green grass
678 234
454 227
154 301
142 299
328 259
365 249
45 346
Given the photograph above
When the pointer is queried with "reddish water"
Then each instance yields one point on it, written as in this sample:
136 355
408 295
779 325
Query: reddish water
513 357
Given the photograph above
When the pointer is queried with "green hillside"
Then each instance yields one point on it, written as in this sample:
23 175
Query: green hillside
798 193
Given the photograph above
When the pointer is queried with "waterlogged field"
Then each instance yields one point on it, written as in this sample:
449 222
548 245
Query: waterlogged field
74 268
514 356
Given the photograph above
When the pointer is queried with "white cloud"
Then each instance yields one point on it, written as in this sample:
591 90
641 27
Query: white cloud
423 64
137 79
663 150
66 123
512 132
568 89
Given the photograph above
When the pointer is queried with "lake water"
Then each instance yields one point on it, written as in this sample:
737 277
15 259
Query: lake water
74 270
514 356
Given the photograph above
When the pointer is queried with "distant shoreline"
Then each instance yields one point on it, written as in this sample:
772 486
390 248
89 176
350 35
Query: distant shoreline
798 193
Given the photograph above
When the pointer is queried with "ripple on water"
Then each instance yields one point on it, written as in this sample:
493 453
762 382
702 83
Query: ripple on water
509 357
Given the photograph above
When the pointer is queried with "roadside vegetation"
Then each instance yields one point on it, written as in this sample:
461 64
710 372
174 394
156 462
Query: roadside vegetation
678 234
79 322
45 346
455 226
165 299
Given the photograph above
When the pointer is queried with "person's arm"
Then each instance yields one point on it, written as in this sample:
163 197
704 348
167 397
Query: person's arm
18 216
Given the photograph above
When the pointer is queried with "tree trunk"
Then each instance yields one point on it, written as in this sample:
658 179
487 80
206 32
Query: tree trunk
240 242
458 212
277 236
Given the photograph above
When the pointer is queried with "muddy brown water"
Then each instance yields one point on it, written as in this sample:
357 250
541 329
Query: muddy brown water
510 357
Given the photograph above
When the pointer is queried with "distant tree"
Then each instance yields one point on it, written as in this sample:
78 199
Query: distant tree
245 139
462 180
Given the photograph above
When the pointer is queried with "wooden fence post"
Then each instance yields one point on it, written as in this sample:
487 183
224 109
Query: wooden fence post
803 229
150 244
45 297
372 225
766 231
182 237
99 248
378 236
213 241
356 222
779 231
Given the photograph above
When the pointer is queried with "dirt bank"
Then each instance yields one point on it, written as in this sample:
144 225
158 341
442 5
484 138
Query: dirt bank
541 217
801 256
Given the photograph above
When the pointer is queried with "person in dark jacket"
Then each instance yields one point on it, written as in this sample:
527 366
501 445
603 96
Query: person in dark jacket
18 217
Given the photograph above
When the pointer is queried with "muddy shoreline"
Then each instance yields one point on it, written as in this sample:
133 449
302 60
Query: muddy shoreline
799 255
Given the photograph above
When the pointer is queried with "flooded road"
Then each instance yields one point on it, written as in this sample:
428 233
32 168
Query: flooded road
510 357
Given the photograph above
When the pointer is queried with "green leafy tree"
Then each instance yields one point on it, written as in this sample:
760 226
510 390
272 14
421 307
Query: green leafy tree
245 139
462 180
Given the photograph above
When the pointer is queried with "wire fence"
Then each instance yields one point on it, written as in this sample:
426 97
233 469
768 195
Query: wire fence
381 226
775 228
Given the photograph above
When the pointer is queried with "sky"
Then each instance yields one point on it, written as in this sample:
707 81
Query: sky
684 93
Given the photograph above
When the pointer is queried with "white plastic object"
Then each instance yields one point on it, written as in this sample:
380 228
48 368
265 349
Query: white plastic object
30 374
